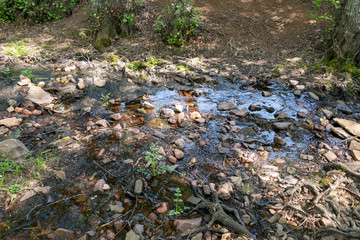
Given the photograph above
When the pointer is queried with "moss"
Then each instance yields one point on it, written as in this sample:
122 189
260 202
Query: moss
101 44
326 181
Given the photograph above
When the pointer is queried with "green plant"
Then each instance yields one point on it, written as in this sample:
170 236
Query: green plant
153 157
178 208
178 23
6 72
183 68
28 72
105 99
135 65
6 165
153 62
129 18
18 49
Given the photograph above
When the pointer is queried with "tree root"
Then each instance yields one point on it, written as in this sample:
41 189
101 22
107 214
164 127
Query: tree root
342 167
349 233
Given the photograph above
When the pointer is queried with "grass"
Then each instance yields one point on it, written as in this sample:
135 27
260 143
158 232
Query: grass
18 49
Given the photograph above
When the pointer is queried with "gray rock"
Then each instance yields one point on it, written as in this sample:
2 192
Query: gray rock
225 190
10 122
338 131
131 235
279 140
291 180
300 87
225 106
313 96
39 96
243 112
198 236
254 107
180 143
167 113
138 186
343 107
178 154
329 114
282 125
13 149
99 82
118 207
193 200
330 156
99 185
351 126
187 224
237 180
297 93
301 115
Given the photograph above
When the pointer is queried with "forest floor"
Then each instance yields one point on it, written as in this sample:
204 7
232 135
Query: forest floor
242 135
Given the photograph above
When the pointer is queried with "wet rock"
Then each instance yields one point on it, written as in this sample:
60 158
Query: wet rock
147 105
118 207
193 200
10 122
195 115
243 112
223 138
178 107
225 106
172 159
313 96
279 161
116 116
279 140
187 224
237 180
138 187
13 149
163 208
99 82
102 122
297 93
282 125
351 126
180 143
306 157
343 107
300 87
178 154
266 94
329 114
139 229
253 108
131 235
99 185
301 115
181 117
39 96
64 233
291 180
167 113
81 84
281 115
293 83
223 149
225 190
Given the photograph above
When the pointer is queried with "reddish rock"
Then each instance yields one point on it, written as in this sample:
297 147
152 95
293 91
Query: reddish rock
163 208
187 224
172 159
152 216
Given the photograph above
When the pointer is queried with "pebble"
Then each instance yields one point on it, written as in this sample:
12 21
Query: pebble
279 140
138 186
297 93
178 154
313 96
330 156
163 208
147 105
81 84
99 82
172 159
131 235
266 94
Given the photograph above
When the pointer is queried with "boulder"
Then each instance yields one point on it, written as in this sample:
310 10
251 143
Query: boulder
13 149
351 126
10 122
167 113
225 106
39 96
187 224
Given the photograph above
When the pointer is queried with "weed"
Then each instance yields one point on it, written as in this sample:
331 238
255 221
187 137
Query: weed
28 72
178 208
153 157
6 72
183 68
18 49
129 19
153 62
6 165
135 65
247 189
105 99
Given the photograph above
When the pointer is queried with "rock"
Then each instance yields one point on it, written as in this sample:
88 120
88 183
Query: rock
329 114
354 145
243 112
193 200
301 115
198 236
180 117
200 120
300 87
131 235
118 207
172 159
279 161
147 105
195 115
187 224
178 154
225 106
293 82
12 102
281 115
237 180
39 96
297 93
225 190
70 68
313 96
355 154
338 131
139 229
99 185
10 122
253 108
351 126
99 82
64 233
266 94
24 81
178 107
270 170
180 143
279 140
138 186
246 219
3 131
282 125
81 84
13 149
330 156
163 208
223 149
167 113
291 180
343 107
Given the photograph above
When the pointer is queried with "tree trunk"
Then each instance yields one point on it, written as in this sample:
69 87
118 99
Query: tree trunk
347 33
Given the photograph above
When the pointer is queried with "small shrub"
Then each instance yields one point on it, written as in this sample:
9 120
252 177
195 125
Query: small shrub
178 23
35 11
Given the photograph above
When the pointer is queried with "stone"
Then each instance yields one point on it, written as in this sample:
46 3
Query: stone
3 131
102 122
178 107
198 236
329 114
147 105
237 180
314 96
246 219
300 87
281 115
266 94
225 190
253 108
279 140
172 159
118 207
99 185
39 96
343 107
178 154
351 126
330 156
282 125
13 149
70 68
81 84
301 115
138 186
131 235
184 225
354 145
64 233
223 149
167 113
297 93
195 115
139 229
180 143
12 102
41 84
293 82
163 208
291 180
10 122
279 161
99 82
242 112
355 154
225 106
24 81
193 200
116 116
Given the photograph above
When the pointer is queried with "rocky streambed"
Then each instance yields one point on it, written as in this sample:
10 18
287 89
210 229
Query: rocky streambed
99 150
